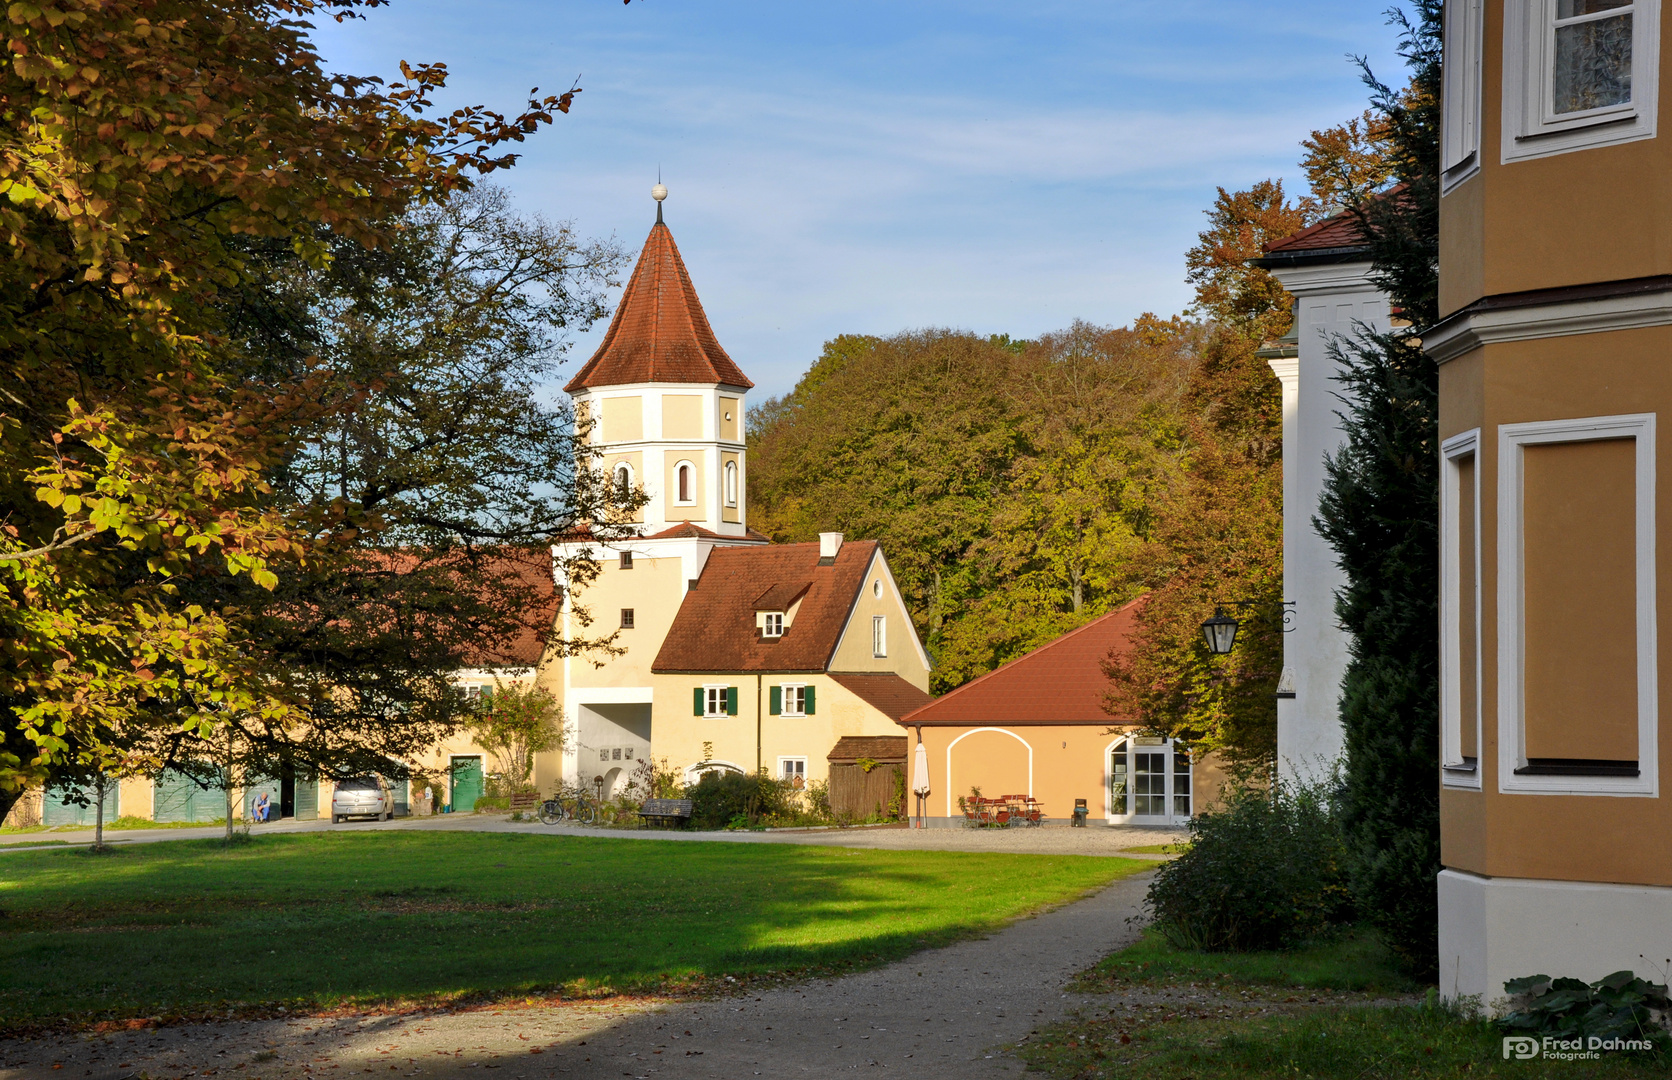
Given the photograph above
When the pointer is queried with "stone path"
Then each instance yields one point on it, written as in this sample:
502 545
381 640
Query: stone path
940 1015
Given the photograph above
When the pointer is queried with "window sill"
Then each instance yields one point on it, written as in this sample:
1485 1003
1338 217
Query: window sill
1468 765
1578 767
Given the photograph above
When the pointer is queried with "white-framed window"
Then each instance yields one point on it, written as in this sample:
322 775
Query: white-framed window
879 635
716 700
1149 779
626 561
876 588
1578 685
685 484
627 618
1460 641
623 480
795 700
1460 92
773 624
731 483
793 769
1579 74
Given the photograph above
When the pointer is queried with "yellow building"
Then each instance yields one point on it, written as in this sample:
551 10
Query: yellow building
1556 305
738 653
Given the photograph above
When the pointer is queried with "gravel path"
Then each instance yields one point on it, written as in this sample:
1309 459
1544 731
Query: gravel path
1048 840
940 1015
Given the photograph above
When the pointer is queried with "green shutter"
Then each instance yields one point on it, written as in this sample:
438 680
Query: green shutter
696 702
777 700
807 699
731 701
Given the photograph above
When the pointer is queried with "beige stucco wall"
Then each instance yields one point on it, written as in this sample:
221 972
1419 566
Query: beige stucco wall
682 416
623 419
653 588
854 651
731 417
674 511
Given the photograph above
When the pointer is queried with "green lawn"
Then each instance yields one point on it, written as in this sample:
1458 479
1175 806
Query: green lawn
1316 1013
312 920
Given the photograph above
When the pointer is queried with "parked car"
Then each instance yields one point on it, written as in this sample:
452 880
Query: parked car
362 796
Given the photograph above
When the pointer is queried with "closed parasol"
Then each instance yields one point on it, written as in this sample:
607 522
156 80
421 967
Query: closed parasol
920 771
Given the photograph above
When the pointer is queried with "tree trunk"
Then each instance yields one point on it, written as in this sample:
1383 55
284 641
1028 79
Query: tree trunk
99 783
226 786
9 799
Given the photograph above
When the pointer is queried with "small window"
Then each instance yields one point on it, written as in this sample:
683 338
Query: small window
623 480
876 588
626 618
615 754
626 560
774 624
795 701
794 770
716 700
603 755
684 484
879 636
731 483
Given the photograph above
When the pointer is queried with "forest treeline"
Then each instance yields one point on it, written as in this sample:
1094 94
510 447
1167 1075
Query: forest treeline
1024 488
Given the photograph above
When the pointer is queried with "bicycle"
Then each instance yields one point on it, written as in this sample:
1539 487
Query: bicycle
569 806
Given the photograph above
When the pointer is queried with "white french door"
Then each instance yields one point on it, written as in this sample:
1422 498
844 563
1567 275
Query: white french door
1149 781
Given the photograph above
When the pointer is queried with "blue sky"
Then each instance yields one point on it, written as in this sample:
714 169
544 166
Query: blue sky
872 167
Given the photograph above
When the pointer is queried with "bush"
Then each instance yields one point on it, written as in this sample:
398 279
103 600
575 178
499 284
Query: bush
1263 871
720 798
1620 1006
489 802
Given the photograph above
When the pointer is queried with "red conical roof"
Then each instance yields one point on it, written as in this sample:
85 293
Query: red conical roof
659 333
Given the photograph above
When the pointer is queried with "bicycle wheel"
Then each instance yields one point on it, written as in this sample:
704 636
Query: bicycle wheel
551 812
586 813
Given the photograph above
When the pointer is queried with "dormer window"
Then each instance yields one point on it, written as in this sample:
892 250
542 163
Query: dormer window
774 625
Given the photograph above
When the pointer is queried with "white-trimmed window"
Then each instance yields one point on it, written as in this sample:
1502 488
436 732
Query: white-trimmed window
795 700
879 635
685 484
1578 686
717 700
623 480
731 483
1460 95
1579 74
772 624
1149 780
1460 673
793 769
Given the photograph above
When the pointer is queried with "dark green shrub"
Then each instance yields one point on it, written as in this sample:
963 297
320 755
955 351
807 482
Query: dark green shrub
1264 870
719 798
1620 1006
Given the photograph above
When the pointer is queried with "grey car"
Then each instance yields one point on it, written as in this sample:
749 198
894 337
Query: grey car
362 796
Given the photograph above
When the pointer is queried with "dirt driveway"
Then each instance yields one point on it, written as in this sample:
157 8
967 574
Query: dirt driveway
940 1015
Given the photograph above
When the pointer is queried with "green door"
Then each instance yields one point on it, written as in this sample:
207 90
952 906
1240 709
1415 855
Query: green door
254 789
398 790
180 798
467 784
56 809
307 799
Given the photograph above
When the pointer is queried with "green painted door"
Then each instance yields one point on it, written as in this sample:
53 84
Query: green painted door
254 789
398 790
467 784
307 799
180 798
57 809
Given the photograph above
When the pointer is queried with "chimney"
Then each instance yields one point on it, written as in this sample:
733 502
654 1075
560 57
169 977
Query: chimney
829 545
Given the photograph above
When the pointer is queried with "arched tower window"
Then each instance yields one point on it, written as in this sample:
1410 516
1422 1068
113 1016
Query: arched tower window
731 483
623 479
684 483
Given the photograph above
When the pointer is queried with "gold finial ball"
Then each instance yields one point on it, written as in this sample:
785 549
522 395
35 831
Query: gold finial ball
659 192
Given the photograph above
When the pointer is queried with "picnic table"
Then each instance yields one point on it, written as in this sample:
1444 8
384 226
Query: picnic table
665 811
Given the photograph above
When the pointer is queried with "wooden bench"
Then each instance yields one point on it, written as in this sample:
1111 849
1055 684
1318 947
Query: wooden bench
526 802
665 811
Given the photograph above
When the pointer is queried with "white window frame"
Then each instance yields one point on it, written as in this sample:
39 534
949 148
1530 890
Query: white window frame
731 484
1530 128
1512 733
708 693
1454 771
800 692
623 467
690 484
1464 23
782 775
1170 793
772 624
879 636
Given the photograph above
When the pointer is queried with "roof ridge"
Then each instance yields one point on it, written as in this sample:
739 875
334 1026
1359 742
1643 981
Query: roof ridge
1031 653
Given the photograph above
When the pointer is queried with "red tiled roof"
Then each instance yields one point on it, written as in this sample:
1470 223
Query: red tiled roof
884 691
660 332
508 579
1058 683
1341 231
886 748
715 627
688 531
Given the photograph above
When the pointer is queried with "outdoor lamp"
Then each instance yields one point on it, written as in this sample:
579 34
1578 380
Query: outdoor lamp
1220 632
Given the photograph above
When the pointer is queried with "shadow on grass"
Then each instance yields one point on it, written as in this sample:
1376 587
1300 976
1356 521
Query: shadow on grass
1354 960
318 920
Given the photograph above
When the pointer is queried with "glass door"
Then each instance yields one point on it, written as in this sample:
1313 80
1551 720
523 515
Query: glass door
1149 781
